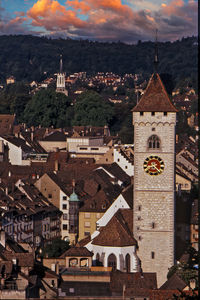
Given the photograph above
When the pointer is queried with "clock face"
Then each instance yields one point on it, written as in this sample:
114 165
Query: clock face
153 165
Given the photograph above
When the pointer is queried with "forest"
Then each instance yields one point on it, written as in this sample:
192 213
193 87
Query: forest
30 58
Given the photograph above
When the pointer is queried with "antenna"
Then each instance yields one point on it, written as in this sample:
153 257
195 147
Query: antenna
61 63
156 52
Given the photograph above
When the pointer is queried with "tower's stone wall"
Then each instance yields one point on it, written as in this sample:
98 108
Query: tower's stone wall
154 195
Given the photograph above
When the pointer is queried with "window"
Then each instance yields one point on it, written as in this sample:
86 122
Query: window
118 159
64 226
139 218
83 148
65 216
86 233
152 255
64 197
94 148
153 129
165 113
152 225
141 113
64 206
87 215
126 167
153 113
154 142
50 196
52 282
87 224
139 207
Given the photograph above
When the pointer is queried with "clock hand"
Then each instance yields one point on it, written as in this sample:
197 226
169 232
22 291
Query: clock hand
157 169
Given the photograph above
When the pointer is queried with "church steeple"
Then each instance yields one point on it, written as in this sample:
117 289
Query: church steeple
61 64
60 84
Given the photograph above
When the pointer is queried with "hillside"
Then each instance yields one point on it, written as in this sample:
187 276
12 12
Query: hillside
28 57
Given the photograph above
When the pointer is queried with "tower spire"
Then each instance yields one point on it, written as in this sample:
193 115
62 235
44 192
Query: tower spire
156 52
61 64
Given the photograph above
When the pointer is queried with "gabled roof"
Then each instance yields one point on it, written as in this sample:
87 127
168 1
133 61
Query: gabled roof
117 233
155 98
77 251
127 193
117 172
58 182
174 283
56 136
18 142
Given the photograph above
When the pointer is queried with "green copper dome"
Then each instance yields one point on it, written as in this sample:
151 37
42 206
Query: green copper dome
73 197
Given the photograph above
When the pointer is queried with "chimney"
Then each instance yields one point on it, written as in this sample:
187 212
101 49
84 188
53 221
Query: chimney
32 135
6 190
3 238
57 268
106 131
176 138
192 284
56 165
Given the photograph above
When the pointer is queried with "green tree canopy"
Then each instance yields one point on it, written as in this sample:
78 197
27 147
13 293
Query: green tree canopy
92 109
48 108
56 248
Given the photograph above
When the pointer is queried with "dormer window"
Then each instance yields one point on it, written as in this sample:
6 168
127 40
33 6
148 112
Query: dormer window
141 113
165 113
154 142
153 113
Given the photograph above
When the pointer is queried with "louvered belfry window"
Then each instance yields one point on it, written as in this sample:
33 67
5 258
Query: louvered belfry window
154 142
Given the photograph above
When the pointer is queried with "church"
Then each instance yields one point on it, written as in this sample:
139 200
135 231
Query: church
149 245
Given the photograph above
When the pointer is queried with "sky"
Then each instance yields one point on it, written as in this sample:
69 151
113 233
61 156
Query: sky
100 20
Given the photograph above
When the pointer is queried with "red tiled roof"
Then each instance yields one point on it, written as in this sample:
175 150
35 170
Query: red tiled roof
155 97
117 233
136 284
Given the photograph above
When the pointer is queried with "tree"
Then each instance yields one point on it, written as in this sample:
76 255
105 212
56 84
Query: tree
56 248
129 83
92 109
186 271
48 108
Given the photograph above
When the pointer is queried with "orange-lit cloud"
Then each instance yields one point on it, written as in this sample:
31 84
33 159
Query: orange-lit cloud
53 16
112 20
172 7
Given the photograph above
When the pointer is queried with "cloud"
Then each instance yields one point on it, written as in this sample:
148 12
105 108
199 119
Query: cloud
112 20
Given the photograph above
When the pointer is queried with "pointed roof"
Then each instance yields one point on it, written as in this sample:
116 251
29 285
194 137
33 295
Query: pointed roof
117 233
155 98
73 197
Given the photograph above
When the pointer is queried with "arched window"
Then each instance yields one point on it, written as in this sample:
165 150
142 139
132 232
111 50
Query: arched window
154 142
98 262
112 261
128 262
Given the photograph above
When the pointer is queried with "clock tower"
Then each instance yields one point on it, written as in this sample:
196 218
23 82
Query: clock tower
154 120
